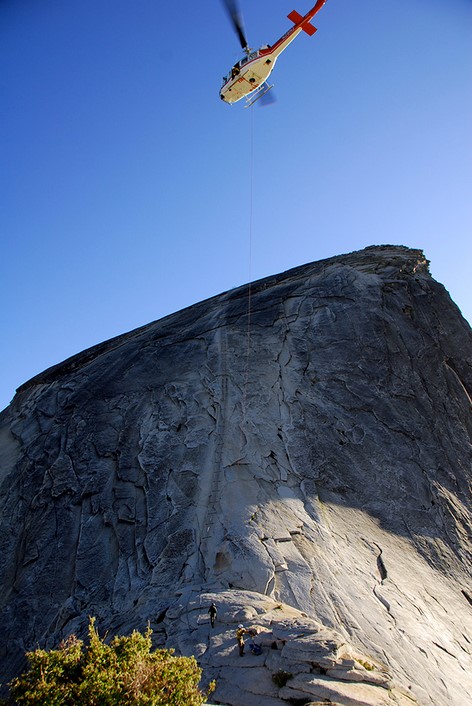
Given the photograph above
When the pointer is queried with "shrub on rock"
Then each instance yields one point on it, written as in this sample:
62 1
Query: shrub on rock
123 673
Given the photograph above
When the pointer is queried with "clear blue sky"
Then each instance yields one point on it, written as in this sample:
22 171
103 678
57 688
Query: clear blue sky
125 181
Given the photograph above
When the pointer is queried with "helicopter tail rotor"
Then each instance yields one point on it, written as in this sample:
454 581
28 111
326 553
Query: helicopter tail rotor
236 18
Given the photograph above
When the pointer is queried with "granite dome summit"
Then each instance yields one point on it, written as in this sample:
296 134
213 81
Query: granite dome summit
307 467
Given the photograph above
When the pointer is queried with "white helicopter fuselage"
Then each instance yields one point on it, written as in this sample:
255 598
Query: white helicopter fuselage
254 69
246 76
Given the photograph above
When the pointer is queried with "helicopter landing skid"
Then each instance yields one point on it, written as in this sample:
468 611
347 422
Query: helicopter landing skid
260 92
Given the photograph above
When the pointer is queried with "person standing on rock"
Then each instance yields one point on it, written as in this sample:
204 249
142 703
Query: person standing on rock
212 610
240 632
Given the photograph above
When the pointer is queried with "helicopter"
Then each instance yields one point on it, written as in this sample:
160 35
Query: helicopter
248 77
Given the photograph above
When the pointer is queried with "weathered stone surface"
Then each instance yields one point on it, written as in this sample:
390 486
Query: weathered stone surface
317 486
294 647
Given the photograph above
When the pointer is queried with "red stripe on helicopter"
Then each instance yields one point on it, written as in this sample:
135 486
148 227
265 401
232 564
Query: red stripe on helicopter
307 27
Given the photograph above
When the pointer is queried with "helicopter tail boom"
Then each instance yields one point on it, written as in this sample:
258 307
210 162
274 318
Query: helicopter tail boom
307 27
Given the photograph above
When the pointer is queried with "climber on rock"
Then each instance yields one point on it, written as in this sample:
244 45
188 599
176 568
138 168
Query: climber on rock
212 610
240 632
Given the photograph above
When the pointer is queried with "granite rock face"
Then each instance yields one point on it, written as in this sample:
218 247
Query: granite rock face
304 462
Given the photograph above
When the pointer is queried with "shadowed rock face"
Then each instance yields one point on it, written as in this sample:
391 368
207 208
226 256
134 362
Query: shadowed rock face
312 458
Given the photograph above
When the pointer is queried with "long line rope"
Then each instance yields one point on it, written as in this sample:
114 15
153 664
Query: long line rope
249 289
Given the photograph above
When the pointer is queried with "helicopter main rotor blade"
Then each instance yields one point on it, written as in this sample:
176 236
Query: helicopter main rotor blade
236 17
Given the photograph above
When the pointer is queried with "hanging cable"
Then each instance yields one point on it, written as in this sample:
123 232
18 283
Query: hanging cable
249 289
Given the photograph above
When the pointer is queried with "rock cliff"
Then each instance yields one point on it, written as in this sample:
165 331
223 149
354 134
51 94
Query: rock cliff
297 451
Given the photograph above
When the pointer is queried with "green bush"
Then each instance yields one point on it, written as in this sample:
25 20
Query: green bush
123 673
280 678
